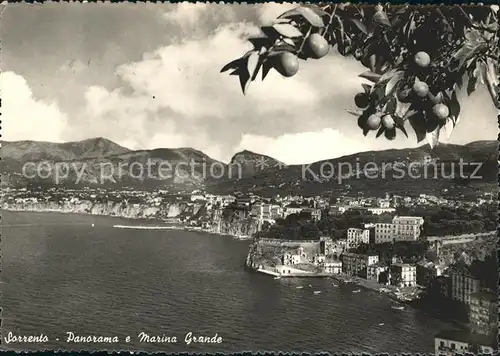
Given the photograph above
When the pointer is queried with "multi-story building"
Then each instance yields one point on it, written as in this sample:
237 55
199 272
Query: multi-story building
314 213
381 210
333 266
483 312
355 264
373 271
267 211
455 342
402 228
408 228
385 232
403 275
463 285
356 237
292 210
427 272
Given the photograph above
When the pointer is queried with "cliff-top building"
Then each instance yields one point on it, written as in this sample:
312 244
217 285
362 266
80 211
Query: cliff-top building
356 237
483 312
402 228
463 285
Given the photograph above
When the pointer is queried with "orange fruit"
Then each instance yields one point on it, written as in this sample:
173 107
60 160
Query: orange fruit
316 46
362 100
388 122
373 122
422 59
421 89
441 111
287 64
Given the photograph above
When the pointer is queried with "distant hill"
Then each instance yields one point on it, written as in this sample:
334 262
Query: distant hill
420 161
33 151
98 161
252 163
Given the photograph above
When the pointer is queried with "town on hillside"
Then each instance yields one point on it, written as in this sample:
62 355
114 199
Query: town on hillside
436 253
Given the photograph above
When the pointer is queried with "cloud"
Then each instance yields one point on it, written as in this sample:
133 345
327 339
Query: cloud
26 118
177 95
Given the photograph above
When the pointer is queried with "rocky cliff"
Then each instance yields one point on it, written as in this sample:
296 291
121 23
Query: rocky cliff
110 208
232 224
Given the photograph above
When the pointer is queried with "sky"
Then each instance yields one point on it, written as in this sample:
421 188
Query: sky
148 76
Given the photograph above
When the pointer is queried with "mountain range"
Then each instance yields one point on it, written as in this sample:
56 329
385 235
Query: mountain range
101 162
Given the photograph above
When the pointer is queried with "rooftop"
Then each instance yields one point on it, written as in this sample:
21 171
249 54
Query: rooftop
468 337
492 297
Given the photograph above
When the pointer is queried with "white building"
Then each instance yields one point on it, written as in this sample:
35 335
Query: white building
290 210
267 211
356 237
333 266
455 342
403 275
402 228
381 210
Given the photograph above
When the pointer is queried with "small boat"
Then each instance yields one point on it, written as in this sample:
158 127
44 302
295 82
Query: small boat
317 292
92 225
299 287
397 307
310 286
334 285
277 277
381 324
356 291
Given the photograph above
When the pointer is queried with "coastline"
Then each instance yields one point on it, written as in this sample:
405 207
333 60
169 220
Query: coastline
179 226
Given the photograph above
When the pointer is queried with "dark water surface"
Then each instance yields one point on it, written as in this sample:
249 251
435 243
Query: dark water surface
61 274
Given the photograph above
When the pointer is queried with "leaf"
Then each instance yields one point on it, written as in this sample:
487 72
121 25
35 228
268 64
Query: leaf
468 49
365 131
244 75
231 65
380 132
373 77
253 65
472 85
454 105
433 137
270 32
367 88
360 25
417 122
287 30
389 74
356 113
317 10
381 17
266 67
392 83
289 42
401 109
284 46
259 42
391 105
310 15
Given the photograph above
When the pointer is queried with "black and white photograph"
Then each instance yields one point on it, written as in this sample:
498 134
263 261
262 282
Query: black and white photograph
275 177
